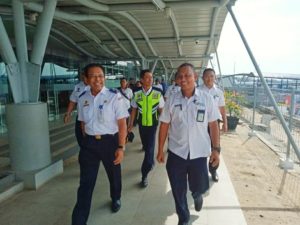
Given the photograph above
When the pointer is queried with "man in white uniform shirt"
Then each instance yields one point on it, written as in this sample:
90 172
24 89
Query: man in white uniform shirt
103 119
172 89
78 90
208 86
125 92
185 119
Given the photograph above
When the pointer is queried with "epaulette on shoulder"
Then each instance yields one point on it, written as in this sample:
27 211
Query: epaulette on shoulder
82 94
115 91
157 89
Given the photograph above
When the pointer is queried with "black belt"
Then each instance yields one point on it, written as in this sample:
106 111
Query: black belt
99 137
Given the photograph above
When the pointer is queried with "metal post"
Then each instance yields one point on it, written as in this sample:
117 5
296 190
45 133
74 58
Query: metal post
42 32
292 110
154 66
21 45
266 87
6 50
254 107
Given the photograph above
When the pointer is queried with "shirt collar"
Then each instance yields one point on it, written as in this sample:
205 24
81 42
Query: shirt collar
147 92
103 91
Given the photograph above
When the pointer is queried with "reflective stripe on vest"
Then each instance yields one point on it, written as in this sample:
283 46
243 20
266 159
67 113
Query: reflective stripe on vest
147 107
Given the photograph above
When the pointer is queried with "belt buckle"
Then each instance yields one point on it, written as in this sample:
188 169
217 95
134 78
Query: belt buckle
97 137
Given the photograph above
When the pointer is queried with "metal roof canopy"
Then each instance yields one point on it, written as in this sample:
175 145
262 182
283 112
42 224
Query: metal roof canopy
153 32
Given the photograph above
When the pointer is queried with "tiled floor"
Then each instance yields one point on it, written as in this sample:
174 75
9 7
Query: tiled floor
52 204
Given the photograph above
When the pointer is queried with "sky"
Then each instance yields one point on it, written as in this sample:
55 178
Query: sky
272 30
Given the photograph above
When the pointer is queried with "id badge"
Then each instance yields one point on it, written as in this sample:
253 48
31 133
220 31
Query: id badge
200 115
100 115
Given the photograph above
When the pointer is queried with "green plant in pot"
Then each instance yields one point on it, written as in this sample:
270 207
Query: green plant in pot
233 108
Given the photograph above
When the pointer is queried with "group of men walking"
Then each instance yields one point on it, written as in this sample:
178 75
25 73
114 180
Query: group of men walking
188 119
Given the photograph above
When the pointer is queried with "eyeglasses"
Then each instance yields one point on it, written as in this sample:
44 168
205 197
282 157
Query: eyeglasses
95 76
184 76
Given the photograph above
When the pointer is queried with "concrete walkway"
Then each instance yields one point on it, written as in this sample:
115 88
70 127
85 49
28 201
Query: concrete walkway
52 204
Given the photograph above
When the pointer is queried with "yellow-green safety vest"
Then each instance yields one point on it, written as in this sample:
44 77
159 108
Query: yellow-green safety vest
147 107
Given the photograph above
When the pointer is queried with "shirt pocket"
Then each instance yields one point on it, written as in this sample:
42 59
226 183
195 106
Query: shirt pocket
87 114
108 113
177 114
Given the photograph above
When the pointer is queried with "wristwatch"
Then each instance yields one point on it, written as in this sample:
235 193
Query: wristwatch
121 147
218 149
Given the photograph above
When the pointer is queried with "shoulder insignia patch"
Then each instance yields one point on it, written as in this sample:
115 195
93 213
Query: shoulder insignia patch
82 94
113 90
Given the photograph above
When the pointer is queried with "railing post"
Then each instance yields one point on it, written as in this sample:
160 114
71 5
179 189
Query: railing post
287 163
252 133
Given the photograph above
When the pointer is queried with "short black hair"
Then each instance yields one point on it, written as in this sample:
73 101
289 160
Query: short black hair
87 67
208 70
123 78
186 64
142 73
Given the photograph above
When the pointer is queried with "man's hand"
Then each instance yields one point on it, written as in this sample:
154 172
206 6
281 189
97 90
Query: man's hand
130 127
119 154
214 158
67 118
224 128
160 157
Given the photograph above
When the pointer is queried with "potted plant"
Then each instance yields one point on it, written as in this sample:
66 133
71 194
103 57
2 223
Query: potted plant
233 108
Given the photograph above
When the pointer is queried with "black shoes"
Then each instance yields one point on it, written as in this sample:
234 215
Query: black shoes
198 201
144 182
214 176
115 206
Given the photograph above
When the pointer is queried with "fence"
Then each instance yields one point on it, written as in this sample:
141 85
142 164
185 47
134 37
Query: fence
263 122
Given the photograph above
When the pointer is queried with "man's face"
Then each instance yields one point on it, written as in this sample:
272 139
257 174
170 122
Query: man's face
209 78
123 84
95 78
186 78
147 80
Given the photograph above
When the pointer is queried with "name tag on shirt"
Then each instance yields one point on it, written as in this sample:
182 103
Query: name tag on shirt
200 115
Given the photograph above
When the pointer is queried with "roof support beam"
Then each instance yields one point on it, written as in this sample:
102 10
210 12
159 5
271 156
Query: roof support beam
21 44
215 15
94 5
91 35
167 39
69 16
6 49
42 32
116 39
141 29
171 15
174 5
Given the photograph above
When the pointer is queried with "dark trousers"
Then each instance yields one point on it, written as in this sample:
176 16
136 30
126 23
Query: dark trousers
147 135
92 152
181 171
78 132
213 169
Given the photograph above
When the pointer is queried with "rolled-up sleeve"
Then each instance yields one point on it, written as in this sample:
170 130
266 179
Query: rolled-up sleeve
213 112
165 116
120 107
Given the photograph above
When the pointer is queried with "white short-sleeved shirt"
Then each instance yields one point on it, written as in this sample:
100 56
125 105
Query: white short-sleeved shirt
217 95
129 95
78 90
188 119
159 86
101 112
172 90
160 104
